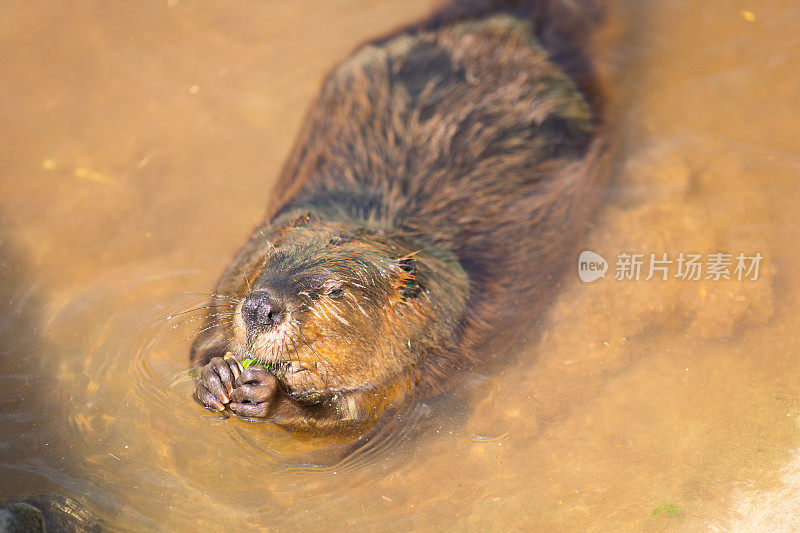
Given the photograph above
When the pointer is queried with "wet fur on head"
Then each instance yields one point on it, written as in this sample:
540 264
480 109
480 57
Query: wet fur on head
362 306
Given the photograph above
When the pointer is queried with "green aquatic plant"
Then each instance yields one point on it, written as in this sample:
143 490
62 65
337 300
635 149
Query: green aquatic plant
668 509
248 362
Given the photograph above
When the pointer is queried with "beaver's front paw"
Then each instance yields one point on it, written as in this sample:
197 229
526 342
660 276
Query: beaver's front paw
253 393
216 382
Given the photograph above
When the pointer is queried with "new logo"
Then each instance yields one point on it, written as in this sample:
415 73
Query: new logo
591 266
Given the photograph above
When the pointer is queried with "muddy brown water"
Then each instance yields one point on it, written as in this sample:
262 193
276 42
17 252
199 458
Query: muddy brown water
140 140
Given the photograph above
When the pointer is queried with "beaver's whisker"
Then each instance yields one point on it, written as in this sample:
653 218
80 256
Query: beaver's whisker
233 304
212 326
269 244
285 348
227 343
220 332
210 306
301 336
196 319
294 347
216 324
215 295
304 341
228 313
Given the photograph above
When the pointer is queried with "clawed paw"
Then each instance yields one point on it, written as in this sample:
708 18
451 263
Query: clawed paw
216 383
253 393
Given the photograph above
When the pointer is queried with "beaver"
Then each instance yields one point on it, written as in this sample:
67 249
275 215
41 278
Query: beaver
442 179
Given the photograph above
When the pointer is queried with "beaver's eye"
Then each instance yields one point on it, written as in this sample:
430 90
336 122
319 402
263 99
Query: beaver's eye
335 292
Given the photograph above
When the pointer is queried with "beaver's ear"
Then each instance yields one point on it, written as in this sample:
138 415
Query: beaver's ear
409 278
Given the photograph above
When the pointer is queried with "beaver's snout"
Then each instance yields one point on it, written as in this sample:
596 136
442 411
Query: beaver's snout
262 311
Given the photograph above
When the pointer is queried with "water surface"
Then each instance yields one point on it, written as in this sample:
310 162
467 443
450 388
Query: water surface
140 143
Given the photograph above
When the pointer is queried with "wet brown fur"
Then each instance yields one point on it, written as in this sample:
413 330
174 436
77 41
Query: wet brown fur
444 175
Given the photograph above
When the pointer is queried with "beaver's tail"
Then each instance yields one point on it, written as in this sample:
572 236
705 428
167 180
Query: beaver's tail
563 27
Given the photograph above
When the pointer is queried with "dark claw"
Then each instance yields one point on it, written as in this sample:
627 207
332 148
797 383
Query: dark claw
207 399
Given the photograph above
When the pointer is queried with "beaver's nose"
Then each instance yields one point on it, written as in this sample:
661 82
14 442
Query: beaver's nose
261 311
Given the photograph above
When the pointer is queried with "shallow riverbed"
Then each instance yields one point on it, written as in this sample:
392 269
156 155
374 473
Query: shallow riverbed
140 143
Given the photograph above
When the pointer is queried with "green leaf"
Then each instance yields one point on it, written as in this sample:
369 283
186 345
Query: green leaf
247 363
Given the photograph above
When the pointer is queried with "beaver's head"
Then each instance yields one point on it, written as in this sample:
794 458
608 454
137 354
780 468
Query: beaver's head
333 308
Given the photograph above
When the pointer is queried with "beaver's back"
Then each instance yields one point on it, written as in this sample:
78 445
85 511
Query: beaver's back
469 137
